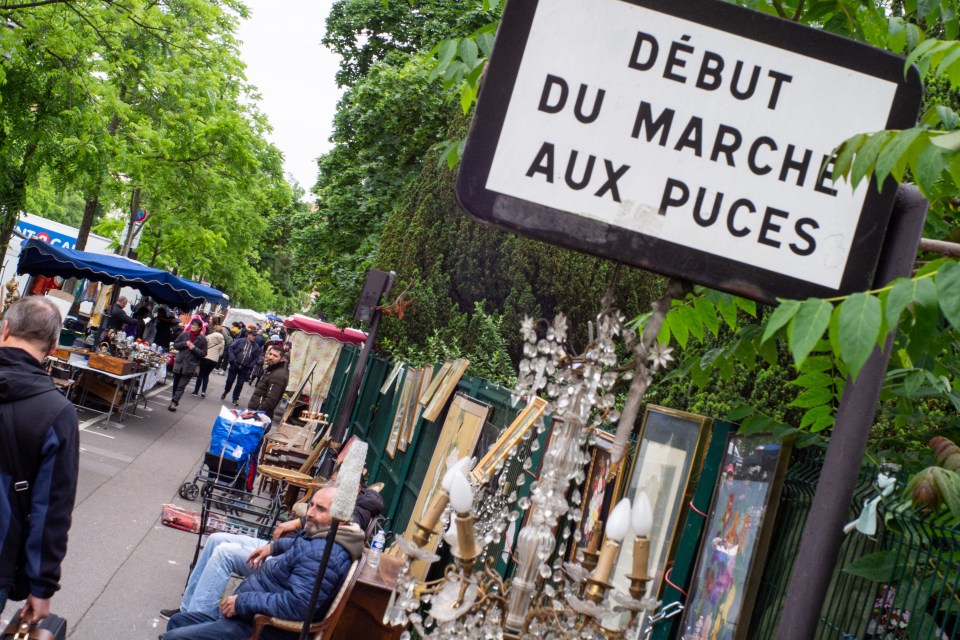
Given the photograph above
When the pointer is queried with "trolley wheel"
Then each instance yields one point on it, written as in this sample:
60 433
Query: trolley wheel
189 491
206 490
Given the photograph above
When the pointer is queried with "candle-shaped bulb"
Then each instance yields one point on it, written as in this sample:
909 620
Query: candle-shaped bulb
461 493
619 522
459 467
642 516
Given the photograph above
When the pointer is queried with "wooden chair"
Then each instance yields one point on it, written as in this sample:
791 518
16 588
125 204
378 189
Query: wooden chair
322 630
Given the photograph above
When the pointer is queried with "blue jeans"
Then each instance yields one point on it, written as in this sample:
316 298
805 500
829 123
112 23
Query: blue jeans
207 625
238 375
224 553
3 597
210 625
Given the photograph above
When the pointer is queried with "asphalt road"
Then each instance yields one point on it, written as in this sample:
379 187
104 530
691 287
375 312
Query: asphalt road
122 565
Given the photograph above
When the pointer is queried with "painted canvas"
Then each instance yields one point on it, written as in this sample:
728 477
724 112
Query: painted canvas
598 492
736 539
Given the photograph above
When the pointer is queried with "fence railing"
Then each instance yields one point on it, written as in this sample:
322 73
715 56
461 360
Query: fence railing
900 583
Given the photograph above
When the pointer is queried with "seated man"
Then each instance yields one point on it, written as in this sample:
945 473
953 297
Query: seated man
281 587
227 553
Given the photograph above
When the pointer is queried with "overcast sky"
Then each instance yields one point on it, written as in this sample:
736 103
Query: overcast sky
295 75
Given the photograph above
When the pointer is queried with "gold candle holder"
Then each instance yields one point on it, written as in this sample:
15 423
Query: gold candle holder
590 560
638 586
608 557
596 590
426 526
641 555
466 551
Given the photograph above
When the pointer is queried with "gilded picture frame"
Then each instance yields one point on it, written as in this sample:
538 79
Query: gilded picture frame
510 436
599 493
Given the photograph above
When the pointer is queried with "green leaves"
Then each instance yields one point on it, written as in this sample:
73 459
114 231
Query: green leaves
859 321
876 567
807 327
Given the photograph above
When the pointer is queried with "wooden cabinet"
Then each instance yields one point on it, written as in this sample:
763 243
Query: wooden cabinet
363 616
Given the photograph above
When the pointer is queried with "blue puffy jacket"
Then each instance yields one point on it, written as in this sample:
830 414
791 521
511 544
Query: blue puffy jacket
283 586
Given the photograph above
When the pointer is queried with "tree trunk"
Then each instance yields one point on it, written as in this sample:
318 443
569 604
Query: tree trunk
14 201
89 211
134 206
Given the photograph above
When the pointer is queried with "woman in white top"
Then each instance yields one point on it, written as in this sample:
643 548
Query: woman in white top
215 343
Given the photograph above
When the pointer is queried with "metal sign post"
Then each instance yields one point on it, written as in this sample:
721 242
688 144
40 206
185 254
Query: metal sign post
823 533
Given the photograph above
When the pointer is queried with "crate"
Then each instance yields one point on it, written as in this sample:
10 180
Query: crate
116 366
63 353
106 391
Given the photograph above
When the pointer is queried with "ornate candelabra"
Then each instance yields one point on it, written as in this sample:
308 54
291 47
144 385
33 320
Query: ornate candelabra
545 598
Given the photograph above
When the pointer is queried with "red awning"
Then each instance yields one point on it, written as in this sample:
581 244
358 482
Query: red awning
325 329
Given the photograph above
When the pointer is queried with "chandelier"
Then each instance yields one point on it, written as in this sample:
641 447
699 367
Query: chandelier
546 598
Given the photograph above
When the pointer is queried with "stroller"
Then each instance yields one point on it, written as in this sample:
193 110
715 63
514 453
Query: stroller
232 443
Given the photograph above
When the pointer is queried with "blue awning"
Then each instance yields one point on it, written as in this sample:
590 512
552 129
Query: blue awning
39 258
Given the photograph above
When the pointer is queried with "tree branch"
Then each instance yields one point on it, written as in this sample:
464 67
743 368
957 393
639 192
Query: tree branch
942 247
29 5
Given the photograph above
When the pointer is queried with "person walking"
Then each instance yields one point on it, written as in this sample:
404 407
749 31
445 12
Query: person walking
244 356
191 348
227 341
214 351
39 459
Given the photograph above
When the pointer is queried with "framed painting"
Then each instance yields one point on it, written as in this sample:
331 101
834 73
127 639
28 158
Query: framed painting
598 493
458 438
736 538
510 436
667 461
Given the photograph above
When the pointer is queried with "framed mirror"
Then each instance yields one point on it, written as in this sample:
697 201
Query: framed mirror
669 454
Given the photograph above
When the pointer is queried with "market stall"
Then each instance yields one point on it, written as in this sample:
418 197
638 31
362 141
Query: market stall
246 316
116 373
325 329
40 258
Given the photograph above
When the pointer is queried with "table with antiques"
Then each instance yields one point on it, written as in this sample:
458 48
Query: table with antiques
121 391
118 374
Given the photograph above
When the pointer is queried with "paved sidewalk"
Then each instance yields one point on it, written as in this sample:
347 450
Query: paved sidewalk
122 565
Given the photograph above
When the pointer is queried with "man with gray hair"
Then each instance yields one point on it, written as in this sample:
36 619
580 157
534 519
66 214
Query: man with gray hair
39 453
118 317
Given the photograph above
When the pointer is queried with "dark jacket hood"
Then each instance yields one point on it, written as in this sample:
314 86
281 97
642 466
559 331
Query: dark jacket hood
21 376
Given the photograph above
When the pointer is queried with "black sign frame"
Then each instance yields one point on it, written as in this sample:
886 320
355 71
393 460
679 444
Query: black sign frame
661 256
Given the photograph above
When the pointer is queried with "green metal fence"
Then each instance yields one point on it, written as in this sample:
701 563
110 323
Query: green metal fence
915 595
372 419
913 564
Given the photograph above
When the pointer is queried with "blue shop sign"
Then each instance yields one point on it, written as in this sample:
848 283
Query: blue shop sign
51 237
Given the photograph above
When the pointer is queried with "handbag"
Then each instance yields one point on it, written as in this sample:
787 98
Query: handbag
52 627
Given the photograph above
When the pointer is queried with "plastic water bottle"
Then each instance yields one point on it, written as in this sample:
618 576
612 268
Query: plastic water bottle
376 547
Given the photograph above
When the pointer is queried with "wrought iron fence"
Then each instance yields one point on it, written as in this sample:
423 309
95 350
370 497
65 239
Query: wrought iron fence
900 583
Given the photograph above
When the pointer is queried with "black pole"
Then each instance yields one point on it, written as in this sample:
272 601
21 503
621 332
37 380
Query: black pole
823 533
339 431
324 560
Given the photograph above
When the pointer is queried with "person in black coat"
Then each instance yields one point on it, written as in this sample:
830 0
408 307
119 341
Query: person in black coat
42 425
244 355
118 317
166 322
